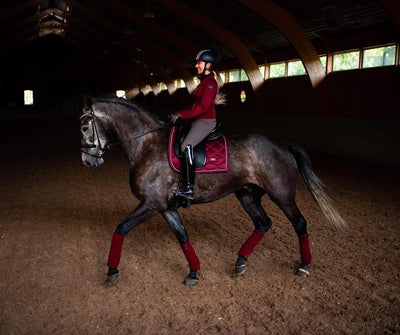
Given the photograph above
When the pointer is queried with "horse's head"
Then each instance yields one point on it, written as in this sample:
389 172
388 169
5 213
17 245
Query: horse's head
94 135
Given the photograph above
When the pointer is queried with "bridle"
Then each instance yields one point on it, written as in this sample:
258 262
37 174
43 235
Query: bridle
101 150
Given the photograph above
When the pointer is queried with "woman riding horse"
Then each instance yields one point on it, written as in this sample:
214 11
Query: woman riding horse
203 114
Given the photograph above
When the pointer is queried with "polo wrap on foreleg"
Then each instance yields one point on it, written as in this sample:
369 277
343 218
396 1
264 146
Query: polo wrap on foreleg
251 243
191 256
305 249
115 251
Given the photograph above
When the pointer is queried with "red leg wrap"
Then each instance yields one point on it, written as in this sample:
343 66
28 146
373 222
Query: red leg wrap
251 243
115 251
191 256
305 249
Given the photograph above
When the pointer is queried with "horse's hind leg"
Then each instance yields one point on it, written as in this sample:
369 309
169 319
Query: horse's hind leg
175 222
289 207
250 198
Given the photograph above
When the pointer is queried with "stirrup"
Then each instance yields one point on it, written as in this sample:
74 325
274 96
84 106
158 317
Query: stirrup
187 193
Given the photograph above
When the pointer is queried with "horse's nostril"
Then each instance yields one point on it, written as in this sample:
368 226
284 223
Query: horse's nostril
87 163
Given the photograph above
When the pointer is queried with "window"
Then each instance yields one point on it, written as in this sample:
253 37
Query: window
147 89
382 56
323 62
233 76
28 97
196 81
243 75
179 83
296 68
346 61
121 94
162 86
277 70
222 75
262 70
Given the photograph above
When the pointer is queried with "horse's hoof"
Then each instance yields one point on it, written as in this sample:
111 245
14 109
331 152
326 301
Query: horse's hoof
240 270
111 280
190 281
302 272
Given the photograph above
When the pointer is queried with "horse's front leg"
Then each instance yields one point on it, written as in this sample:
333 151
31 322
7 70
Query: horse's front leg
142 213
175 222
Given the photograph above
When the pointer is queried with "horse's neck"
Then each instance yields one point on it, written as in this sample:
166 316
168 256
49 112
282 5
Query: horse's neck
135 124
131 123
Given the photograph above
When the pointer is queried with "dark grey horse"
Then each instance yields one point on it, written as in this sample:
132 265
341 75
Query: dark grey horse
257 166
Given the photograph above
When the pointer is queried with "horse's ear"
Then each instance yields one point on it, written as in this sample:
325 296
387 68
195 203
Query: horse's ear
87 102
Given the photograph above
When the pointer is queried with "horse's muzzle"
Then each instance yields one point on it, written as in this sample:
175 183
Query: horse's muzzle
91 159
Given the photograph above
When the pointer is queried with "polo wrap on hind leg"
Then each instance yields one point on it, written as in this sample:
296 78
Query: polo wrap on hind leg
251 243
115 251
191 256
305 251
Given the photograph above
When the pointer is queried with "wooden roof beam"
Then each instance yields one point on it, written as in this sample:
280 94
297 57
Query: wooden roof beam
91 46
90 43
21 35
26 21
228 38
289 27
17 9
107 39
146 44
393 9
168 81
161 31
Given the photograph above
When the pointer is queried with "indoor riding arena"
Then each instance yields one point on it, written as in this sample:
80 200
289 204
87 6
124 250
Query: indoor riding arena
320 75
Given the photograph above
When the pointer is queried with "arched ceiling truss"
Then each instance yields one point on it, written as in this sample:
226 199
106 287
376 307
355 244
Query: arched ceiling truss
157 39
136 39
288 25
229 39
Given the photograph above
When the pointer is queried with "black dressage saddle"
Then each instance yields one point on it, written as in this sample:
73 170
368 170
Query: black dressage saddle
200 149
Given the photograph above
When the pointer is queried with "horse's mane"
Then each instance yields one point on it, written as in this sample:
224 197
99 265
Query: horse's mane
129 104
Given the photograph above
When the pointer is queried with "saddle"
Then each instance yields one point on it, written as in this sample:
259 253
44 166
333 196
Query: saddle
210 155
200 149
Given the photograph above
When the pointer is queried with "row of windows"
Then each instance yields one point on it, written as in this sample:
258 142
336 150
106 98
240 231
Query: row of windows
363 58
341 61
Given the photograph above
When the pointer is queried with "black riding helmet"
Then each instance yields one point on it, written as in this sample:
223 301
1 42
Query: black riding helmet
207 56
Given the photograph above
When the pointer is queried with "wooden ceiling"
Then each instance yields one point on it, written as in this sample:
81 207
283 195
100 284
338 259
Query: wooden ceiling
155 41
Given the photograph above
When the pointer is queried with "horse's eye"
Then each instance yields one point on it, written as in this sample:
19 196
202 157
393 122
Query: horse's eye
85 128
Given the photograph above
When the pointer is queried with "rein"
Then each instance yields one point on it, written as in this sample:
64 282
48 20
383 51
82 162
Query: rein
109 146
101 149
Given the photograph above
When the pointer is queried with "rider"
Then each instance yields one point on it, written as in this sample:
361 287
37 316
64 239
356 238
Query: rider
204 119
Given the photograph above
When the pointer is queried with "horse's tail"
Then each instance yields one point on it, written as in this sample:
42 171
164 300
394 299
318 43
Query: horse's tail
316 187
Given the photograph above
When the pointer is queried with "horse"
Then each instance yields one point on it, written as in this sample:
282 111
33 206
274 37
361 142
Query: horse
257 166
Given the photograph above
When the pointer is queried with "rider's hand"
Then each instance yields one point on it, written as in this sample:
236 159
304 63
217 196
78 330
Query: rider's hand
175 118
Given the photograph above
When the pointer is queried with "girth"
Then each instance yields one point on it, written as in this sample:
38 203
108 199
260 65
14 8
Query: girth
200 149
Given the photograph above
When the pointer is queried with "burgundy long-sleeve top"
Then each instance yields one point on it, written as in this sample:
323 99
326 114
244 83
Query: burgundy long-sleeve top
204 100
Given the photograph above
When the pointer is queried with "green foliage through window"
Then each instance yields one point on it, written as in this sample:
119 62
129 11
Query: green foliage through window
382 56
28 97
296 68
243 75
346 61
323 62
233 76
262 70
277 70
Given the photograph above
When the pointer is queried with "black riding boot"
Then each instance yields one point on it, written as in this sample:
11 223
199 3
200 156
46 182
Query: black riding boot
186 184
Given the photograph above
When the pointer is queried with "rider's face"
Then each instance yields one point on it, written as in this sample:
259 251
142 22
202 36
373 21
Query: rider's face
200 65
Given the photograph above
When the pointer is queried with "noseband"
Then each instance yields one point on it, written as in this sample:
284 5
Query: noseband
102 150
